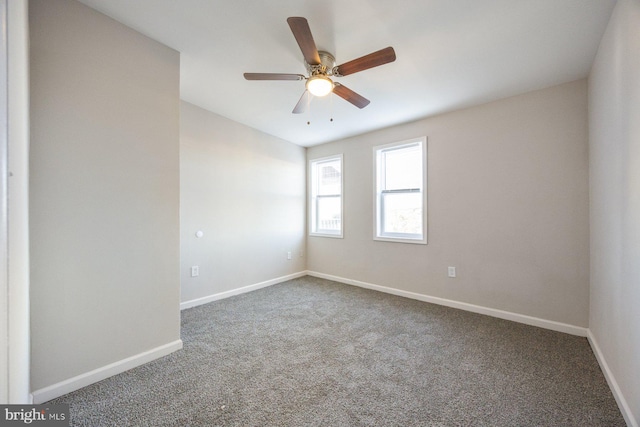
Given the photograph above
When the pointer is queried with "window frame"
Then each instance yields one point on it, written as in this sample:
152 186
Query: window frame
379 194
313 201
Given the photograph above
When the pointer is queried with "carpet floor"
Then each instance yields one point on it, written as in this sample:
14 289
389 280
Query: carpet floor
311 352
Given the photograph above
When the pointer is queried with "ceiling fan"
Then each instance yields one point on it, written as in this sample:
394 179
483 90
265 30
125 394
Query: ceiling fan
321 67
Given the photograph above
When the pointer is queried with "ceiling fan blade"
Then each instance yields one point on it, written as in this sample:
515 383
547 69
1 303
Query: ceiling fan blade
272 76
301 106
302 33
348 95
380 57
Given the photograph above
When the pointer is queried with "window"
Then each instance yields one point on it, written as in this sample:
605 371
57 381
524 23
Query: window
326 196
400 200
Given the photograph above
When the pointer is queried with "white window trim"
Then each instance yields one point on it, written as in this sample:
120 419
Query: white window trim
339 235
423 241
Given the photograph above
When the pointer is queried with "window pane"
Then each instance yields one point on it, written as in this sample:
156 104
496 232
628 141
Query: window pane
329 179
402 213
402 168
328 215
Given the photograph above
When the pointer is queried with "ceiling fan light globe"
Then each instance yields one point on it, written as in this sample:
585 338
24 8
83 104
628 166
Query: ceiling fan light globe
319 85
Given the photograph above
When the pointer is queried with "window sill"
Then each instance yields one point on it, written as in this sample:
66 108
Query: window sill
333 236
399 240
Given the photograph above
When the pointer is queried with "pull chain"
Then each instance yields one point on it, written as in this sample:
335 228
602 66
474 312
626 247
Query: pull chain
331 108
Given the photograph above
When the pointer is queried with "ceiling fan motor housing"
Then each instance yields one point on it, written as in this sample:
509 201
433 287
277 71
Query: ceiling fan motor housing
327 62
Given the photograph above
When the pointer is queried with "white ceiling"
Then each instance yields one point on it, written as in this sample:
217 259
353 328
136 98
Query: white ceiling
450 54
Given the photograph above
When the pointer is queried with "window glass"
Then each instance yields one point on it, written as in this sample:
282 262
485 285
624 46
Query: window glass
402 213
403 168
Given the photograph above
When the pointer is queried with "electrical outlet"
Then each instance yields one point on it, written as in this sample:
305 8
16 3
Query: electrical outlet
452 272
289 255
195 271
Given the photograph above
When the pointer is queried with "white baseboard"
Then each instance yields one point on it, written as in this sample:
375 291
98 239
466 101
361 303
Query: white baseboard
507 315
83 380
613 384
222 295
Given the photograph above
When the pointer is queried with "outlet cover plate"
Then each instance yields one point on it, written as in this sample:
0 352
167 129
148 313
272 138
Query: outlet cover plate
452 272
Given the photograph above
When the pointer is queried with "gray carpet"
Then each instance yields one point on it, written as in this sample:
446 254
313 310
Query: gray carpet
311 352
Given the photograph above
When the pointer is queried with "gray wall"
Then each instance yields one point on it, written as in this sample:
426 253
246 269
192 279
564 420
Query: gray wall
246 191
507 205
614 149
104 192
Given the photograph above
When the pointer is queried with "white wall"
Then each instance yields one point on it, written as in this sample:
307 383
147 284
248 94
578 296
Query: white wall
4 223
246 191
614 151
18 242
104 202
507 205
